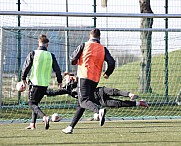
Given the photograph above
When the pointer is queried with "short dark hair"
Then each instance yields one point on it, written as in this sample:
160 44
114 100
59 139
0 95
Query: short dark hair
43 39
95 33
67 73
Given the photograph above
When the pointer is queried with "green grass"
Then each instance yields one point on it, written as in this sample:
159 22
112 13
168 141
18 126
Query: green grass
118 133
124 133
126 76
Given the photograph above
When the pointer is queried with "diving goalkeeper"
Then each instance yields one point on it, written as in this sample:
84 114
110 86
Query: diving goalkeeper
102 97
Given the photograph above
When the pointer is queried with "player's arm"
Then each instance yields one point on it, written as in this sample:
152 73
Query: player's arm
76 54
57 71
27 66
78 114
110 62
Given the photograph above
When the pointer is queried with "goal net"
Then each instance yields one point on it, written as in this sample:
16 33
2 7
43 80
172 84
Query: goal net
124 44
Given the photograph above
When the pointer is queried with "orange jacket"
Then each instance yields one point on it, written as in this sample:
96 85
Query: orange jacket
91 61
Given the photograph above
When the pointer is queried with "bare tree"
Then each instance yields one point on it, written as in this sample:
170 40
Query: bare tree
146 48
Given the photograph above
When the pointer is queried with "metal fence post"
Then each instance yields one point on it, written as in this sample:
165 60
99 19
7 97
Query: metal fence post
19 50
1 64
166 52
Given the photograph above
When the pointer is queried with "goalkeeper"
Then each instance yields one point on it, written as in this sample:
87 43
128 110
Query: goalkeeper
102 97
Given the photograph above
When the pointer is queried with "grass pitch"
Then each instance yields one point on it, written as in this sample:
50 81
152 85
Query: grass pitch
124 133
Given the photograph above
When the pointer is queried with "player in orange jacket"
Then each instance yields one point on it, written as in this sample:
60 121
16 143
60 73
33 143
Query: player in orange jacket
89 57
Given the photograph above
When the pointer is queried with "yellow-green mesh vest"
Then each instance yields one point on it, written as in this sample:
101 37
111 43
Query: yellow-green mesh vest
41 68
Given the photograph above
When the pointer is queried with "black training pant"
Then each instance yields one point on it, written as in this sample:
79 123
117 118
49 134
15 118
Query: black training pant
36 93
86 98
104 95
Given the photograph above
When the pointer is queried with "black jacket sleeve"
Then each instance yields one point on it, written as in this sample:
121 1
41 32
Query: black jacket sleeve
110 62
27 65
51 92
76 54
56 69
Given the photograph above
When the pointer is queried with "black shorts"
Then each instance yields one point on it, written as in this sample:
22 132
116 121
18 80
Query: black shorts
36 93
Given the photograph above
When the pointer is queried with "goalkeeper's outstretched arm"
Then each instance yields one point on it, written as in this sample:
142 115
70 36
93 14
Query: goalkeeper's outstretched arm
51 92
63 91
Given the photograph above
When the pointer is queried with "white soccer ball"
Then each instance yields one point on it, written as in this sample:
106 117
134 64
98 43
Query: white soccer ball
55 117
20 86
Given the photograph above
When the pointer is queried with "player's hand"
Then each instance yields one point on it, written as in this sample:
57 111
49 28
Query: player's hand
24 82
60 85
133 96
105 76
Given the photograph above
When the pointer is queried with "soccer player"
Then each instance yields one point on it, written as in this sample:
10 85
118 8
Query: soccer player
41 62
89 57
102 97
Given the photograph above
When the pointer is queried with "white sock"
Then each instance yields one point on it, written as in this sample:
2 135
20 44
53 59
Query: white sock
137 103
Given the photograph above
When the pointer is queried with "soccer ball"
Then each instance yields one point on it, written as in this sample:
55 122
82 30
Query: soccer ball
55 117
20 86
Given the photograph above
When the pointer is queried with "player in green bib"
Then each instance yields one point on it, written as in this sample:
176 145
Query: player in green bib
40 62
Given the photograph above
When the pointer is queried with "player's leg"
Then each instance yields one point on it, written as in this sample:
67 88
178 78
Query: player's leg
32 124
86 90
116 103
114 92
78 114
126 103
35 96
117 92
119 103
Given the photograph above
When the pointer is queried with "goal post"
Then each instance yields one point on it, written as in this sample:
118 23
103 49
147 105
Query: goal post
122 42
